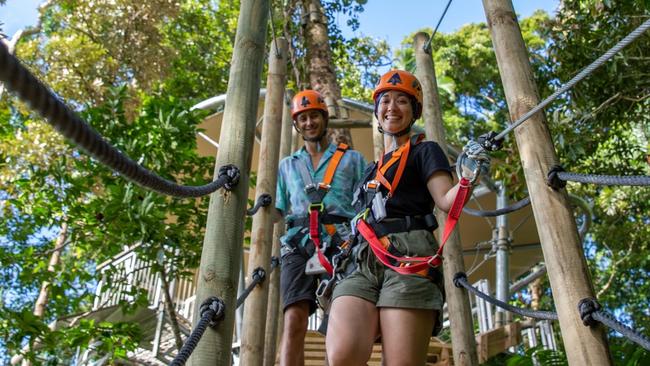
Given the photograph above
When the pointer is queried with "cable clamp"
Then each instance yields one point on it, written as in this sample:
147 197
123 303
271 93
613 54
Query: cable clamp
552 178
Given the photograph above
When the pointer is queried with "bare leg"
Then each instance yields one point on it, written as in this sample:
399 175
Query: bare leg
353 327
405 335
292 349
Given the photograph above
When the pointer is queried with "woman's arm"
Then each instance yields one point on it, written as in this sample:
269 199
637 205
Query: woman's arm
442 190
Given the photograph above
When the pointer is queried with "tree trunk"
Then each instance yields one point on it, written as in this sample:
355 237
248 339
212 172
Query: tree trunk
224 234
255 307
322 75
273 308
460 311
169 308
563 254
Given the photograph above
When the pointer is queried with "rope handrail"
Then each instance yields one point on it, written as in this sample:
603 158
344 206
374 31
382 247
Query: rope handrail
258 276
460 280
212 311
498 212
557 178
493 142
263 200
19 80
590 313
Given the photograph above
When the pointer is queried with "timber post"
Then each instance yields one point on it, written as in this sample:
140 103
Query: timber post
273 309
459 308
563 253
252 345
224 234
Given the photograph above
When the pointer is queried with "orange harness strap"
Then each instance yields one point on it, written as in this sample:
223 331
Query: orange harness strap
316 208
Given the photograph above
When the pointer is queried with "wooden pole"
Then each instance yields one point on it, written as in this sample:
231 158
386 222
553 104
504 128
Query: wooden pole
222 245
273 308
460 311
252 345
563 254
322 74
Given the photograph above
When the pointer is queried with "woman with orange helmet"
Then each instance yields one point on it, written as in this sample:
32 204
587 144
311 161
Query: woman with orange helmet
387 294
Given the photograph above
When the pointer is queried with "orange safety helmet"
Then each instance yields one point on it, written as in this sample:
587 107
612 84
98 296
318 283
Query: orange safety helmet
403 81
307 100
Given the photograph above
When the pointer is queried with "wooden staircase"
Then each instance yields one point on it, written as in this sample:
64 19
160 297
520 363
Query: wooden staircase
439 353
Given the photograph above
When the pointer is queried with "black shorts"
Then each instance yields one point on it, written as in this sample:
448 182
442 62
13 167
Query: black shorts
295 284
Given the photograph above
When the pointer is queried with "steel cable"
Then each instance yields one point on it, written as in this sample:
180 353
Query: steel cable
581 75
498 212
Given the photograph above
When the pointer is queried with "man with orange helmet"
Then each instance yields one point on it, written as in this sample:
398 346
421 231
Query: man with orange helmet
314 193
397 289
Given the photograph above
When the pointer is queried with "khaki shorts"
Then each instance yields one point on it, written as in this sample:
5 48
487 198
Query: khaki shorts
374 282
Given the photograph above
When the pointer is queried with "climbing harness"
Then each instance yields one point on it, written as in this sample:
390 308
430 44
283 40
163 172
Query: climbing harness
317 215
373 226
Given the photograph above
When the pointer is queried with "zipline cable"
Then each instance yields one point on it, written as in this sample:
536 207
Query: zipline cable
498 212
427 46
18 79
491 144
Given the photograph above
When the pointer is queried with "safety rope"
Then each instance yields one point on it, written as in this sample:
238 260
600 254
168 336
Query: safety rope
590 313
492 143
18 79
212 311
460 280
263 200
557 177
427 46
258 276
498 212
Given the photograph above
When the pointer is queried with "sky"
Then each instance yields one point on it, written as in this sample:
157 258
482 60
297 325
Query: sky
381 19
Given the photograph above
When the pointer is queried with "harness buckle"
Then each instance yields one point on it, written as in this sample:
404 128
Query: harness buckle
319 206
430 261
325 187
355 220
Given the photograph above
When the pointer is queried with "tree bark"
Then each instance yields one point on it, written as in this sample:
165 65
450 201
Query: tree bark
255 307
322 73
169 308
273 308
460 311
561 244
224 234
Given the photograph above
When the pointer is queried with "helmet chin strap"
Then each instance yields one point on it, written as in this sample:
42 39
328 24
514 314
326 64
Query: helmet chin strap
396 134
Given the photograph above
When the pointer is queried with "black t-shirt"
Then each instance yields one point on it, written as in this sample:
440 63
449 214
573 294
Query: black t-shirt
412 198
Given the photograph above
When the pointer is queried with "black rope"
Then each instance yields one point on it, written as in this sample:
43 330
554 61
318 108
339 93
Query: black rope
212 312
604 180
498 212
258 276
460 280
18 79
263 200
590 313
275 262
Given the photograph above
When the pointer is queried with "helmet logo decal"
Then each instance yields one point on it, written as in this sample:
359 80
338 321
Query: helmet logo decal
395 79
416 85
304 102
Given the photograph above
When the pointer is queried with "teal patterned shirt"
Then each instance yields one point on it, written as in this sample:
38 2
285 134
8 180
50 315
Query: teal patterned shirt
292 200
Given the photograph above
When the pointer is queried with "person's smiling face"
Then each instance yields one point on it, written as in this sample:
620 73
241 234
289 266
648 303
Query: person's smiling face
394 111
310 123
